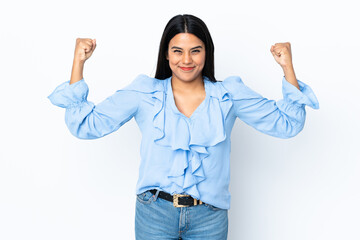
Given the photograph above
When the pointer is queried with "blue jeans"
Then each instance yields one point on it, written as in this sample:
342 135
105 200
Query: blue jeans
157 219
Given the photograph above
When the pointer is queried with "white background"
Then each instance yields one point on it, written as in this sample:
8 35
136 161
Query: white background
55 186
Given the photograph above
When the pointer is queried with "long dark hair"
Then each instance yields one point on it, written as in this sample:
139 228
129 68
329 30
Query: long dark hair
185 24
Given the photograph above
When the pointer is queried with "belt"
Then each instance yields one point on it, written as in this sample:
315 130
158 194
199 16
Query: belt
178 200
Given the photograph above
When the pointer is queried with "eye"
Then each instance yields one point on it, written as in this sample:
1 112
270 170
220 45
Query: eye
177 51
196 51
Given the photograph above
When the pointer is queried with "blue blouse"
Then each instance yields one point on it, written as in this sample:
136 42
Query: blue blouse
182 154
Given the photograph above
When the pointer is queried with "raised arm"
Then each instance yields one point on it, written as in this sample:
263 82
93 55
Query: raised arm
86 120
282 55
84 47
82 117
284 118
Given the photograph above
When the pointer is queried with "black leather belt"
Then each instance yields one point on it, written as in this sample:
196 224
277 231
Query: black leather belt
178 200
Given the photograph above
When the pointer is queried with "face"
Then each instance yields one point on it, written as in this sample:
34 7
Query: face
186 57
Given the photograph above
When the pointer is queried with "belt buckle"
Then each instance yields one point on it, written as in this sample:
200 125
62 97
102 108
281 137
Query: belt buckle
176 200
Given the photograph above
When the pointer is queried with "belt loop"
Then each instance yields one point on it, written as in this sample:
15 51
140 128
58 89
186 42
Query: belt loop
156 194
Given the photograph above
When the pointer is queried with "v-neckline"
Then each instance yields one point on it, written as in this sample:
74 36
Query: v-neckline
199 107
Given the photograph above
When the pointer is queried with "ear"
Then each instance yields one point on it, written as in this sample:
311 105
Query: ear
167 56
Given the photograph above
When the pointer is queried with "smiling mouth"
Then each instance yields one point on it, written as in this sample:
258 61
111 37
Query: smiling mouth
187 68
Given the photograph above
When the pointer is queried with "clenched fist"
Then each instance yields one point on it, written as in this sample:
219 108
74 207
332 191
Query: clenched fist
282 54
84 48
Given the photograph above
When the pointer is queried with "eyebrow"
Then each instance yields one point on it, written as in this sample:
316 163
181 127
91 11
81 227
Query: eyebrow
190 49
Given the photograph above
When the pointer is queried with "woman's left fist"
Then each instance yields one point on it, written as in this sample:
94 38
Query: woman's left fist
282 54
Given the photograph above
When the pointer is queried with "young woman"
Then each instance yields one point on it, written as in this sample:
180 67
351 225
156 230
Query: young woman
185 116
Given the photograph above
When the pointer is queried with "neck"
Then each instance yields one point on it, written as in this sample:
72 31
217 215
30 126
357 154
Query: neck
187 86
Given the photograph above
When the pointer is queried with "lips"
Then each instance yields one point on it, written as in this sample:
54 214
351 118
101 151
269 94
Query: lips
187 68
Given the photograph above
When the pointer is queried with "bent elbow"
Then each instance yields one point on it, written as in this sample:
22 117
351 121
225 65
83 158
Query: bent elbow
82 130
82 135
293 130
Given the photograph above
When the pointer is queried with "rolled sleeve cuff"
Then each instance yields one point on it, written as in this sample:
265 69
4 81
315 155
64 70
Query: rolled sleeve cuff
66 95
304 96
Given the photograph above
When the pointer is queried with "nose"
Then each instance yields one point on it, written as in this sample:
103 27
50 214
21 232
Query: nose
187 58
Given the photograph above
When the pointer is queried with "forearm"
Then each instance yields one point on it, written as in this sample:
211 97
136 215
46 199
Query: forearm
77 71
290 75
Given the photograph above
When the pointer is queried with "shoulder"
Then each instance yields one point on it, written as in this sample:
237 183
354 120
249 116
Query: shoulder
235 86
145 84
231 80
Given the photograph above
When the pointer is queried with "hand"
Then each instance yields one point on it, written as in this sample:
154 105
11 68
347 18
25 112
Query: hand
84 48
282 54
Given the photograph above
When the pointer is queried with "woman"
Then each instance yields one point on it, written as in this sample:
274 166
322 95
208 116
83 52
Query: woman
185 117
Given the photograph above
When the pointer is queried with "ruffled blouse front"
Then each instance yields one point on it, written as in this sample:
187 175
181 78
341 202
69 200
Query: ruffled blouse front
182 154
190 137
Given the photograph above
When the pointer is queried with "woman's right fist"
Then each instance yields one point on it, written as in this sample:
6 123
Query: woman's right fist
84 47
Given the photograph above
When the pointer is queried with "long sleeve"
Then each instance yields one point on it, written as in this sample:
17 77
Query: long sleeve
86 120
284 118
